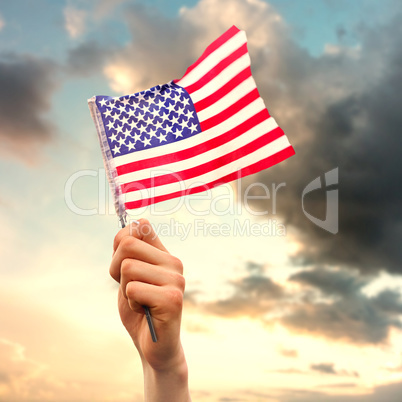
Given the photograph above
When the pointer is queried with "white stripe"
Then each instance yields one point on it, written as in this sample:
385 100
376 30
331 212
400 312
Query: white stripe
213 59
257 131
249 111
222 78
229 99
261 153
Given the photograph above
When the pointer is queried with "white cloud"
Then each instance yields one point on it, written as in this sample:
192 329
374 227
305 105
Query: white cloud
74 21
162 50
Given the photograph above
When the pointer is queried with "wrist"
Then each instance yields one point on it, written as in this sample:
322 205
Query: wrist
167 382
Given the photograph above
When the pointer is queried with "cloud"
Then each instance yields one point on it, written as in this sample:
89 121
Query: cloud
339 385
289 352
326 302
328 368
340 310
388 392
340 110
161 49
74 21
253 296
87 58
104 8
27 84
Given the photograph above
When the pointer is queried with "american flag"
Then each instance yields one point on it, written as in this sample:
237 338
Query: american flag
191 134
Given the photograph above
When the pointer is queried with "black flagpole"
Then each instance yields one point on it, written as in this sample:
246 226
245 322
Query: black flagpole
146 308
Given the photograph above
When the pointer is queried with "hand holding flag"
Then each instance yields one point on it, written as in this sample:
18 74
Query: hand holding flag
205 129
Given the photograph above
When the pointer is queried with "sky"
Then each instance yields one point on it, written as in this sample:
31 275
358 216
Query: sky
277 307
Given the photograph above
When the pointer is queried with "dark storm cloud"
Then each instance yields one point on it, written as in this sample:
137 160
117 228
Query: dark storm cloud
26 84
343 110
349 314
329 303
331 282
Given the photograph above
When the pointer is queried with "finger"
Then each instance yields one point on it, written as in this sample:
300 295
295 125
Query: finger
142 231
133 248
139 271
166 300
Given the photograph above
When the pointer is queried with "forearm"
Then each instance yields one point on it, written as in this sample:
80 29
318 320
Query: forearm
167 385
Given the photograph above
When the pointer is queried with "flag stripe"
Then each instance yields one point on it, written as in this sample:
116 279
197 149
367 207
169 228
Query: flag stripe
221 79
227 100
230 111
213 59
191 152
222 145
175 147
202 168
221 171
251 169
212 48
221 66
221 92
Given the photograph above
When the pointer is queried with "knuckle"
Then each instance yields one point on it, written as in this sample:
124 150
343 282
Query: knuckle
179 281
144 221
131 290
127 243
146 228
175 298
125 267
176 264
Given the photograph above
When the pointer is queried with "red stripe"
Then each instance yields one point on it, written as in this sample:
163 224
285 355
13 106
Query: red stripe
220 93
205 167
213 72
197 149
230 111
254 168
211 48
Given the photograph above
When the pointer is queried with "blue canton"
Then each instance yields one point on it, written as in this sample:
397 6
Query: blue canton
148 119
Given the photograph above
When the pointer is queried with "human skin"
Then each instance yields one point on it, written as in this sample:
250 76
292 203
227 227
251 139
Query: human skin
149 275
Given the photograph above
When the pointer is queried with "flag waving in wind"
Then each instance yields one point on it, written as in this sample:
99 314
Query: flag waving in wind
205 129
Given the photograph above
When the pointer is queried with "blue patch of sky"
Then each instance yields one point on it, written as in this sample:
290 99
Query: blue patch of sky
33 27
313 23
